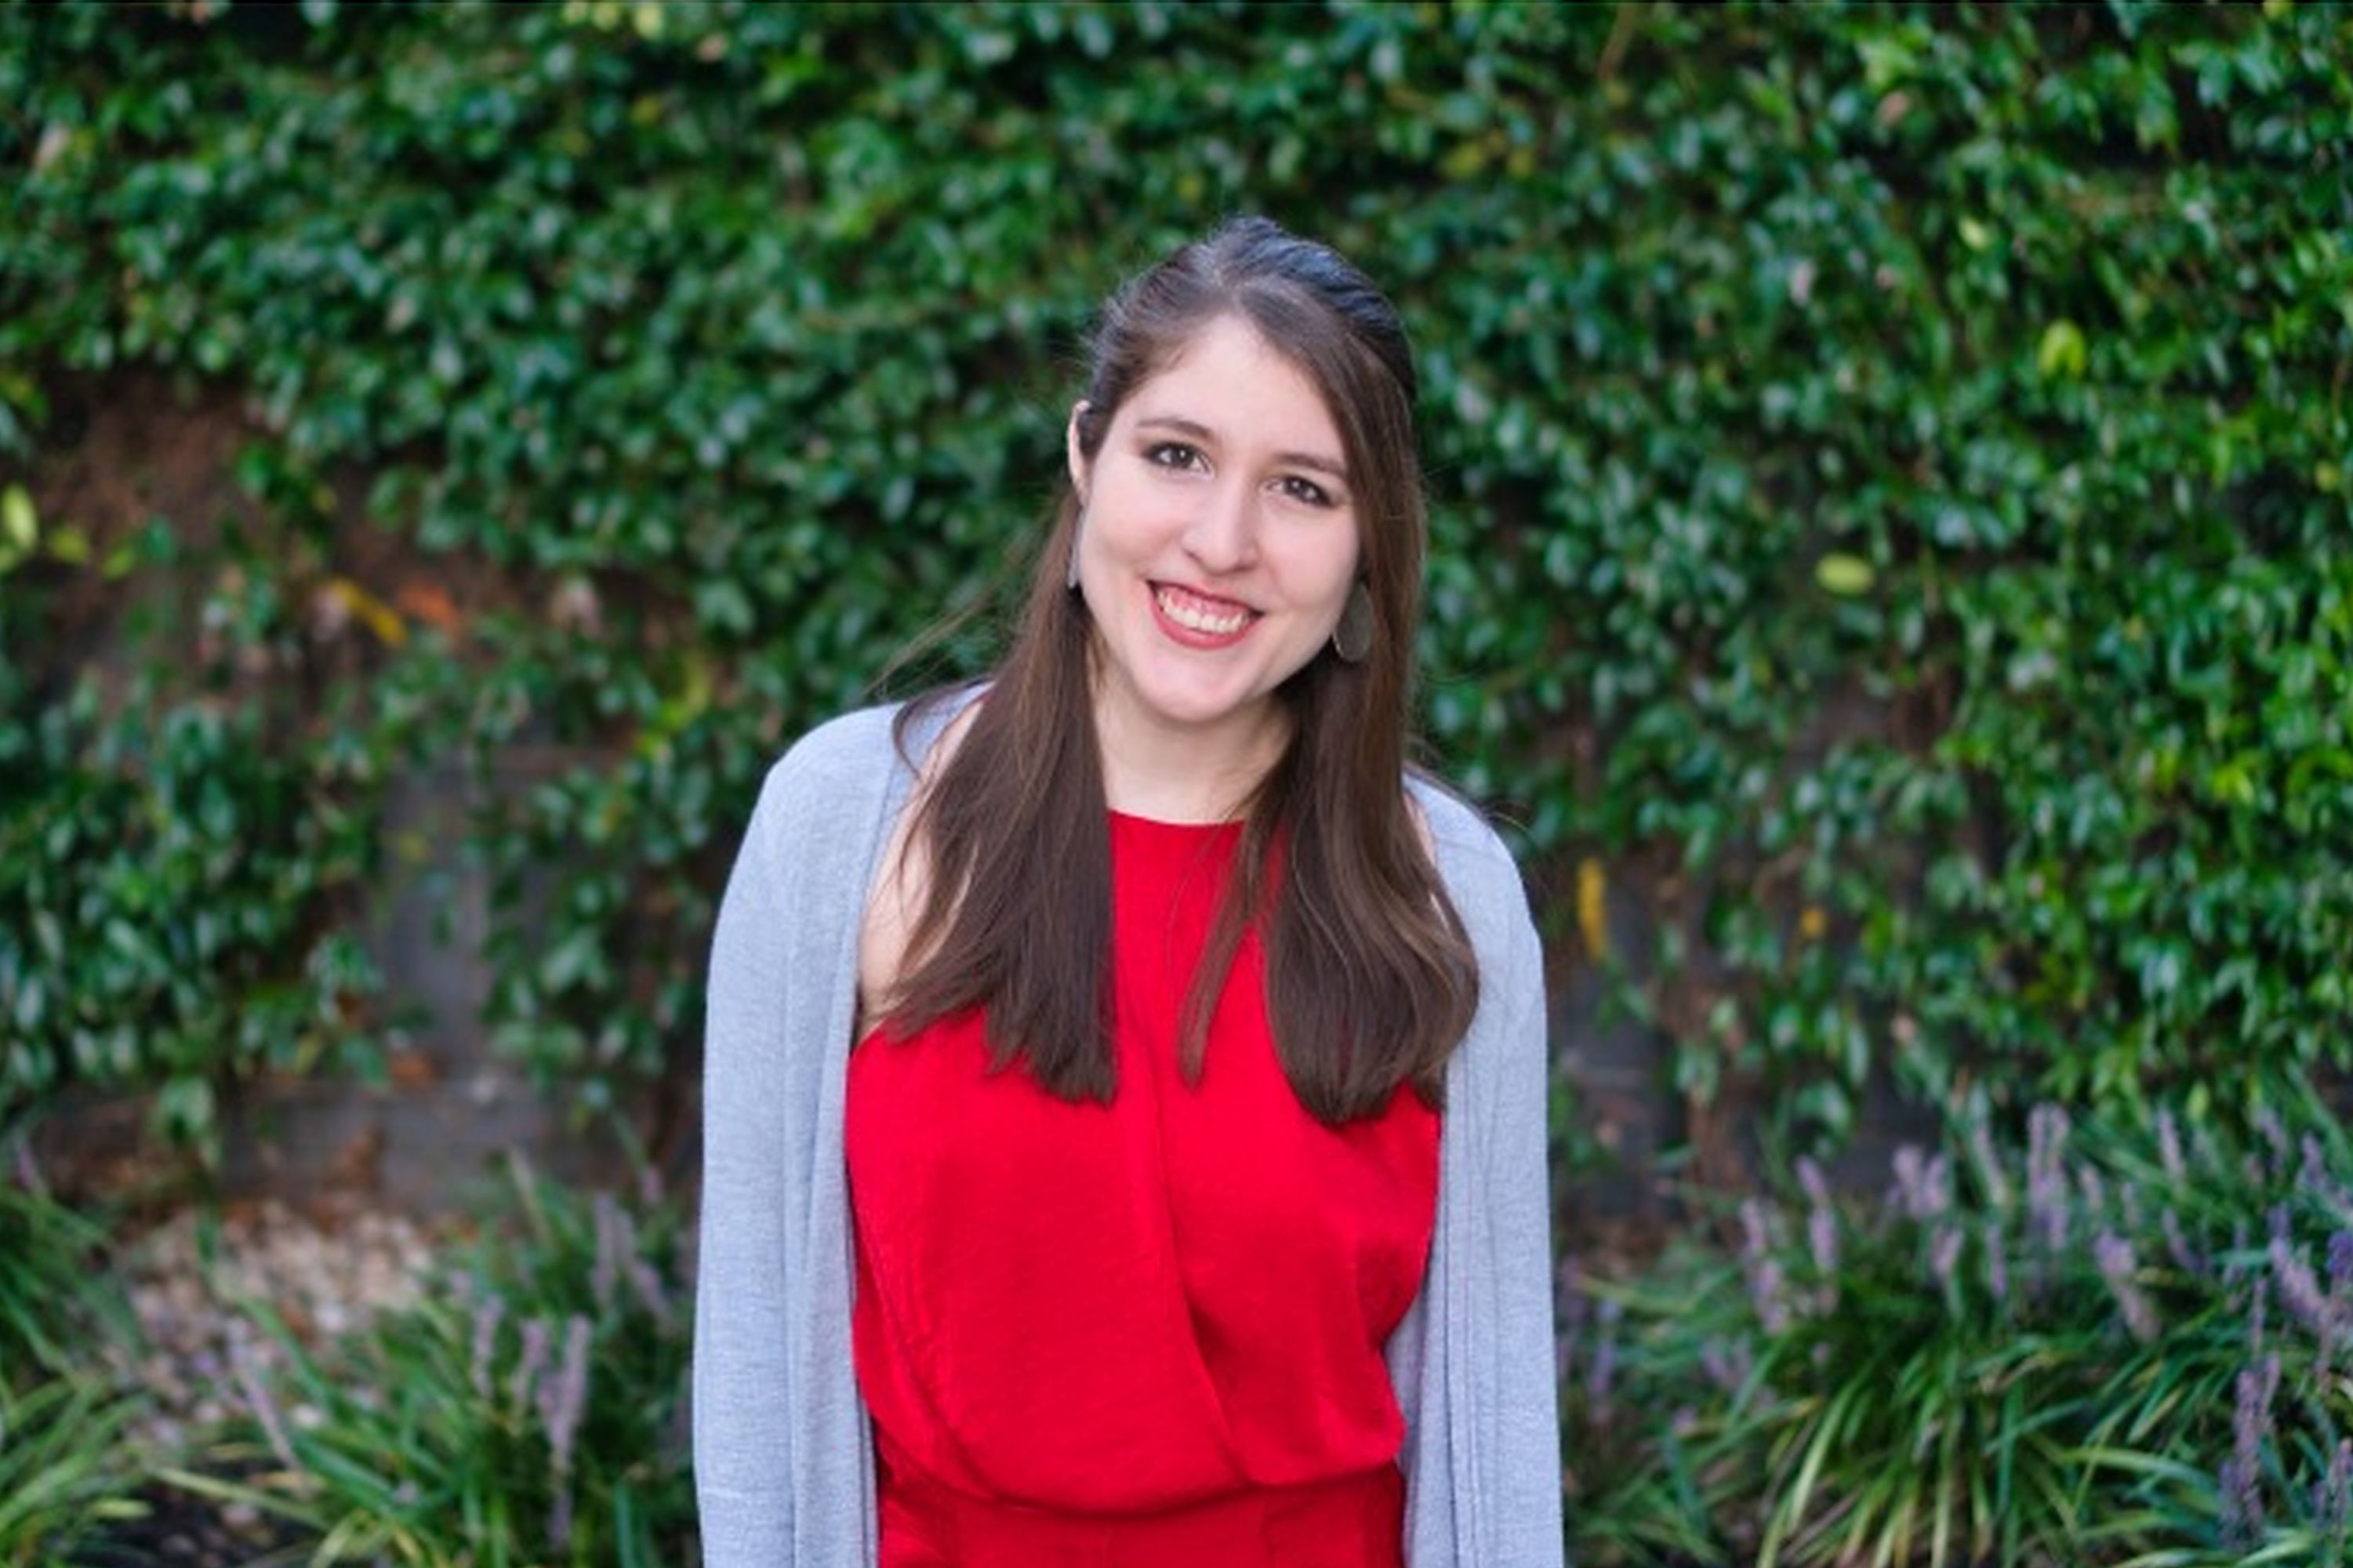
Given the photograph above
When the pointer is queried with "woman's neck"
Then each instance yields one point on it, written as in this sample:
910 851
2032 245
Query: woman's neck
1186 773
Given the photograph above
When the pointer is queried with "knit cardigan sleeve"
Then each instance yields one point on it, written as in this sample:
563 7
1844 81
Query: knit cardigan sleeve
1474 1360
783 1458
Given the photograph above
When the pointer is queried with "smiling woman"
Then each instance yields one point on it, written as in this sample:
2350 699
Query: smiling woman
1125 1096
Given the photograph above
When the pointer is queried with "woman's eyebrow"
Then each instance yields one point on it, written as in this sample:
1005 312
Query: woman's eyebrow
1195 430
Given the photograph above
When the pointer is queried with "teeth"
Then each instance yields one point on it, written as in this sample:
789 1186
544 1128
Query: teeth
1193 617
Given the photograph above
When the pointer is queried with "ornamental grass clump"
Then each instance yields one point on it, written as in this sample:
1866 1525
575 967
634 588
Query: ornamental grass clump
65 1412
533 1411
2119 1345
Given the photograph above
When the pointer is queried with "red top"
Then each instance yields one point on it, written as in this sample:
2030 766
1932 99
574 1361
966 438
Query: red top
1138 1332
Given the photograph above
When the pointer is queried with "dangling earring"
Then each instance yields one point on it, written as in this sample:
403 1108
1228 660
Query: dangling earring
1352 639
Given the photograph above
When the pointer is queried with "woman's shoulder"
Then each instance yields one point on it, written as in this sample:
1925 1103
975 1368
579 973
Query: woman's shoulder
1469 850
1482 877
822 778
865 748
846 743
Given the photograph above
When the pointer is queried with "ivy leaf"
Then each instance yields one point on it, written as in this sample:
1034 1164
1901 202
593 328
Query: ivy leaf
2061 352
1843 575
20 529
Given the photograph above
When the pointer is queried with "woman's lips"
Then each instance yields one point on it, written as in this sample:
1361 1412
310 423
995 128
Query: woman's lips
1197 619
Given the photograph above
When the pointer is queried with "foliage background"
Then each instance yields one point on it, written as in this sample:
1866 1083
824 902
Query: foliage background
1892 567
1892 580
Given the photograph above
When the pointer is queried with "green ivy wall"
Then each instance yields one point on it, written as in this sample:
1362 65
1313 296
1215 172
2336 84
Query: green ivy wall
1894 570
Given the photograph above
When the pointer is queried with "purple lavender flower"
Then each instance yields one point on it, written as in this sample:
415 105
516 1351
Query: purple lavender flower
2096 1194
2118 1266
1728 1366
560 1398
1906 1165
2332 1505
1936 1187
527 1369
1763 1270
2340 1270
2299 1292
2184 1256
2243 1505
561 1401
2046 1174
2316 1179
559 1516
1924 1186
1821 1224
1601 1378
2242 1475
1997 1263
2168 1146
28 1174
488 1314
650 1290
1945 1254
2267 1122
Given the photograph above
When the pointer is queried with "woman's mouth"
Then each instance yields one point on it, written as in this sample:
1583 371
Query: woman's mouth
1199 619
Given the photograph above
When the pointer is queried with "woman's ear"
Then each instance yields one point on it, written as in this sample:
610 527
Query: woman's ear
1075 454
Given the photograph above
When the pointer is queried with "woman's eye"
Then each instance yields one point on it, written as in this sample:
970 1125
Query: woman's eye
1173 454
1306 491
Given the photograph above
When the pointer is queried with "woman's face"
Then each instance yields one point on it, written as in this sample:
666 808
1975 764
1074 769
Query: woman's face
1219 540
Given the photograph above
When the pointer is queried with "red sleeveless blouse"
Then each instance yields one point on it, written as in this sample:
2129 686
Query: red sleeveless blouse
1146 1332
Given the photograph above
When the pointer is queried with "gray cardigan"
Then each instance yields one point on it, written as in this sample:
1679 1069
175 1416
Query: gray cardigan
782 1455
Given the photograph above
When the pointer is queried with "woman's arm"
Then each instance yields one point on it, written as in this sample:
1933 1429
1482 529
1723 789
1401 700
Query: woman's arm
1515 1202
742 1432
1473 1362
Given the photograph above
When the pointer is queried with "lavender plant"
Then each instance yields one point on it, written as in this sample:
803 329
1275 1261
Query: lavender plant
534 1413
2115 1345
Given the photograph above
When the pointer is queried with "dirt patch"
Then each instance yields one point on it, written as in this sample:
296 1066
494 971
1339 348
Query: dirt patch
200 1285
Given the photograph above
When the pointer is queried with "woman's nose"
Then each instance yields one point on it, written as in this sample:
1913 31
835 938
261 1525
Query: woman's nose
1223 534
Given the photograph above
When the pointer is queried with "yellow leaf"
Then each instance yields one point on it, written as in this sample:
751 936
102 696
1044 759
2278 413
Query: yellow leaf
2062 351
20 529
1812 923
371 612
1463 160
70 545
1592 915
1845 575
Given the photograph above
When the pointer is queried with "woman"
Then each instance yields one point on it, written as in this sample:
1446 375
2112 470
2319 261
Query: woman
1183 1197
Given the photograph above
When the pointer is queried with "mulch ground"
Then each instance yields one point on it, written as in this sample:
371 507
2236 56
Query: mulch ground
198 1281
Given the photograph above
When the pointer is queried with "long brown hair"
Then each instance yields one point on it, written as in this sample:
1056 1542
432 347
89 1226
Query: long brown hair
1370 978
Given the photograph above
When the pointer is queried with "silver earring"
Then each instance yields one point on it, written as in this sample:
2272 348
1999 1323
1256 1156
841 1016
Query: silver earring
1352 639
